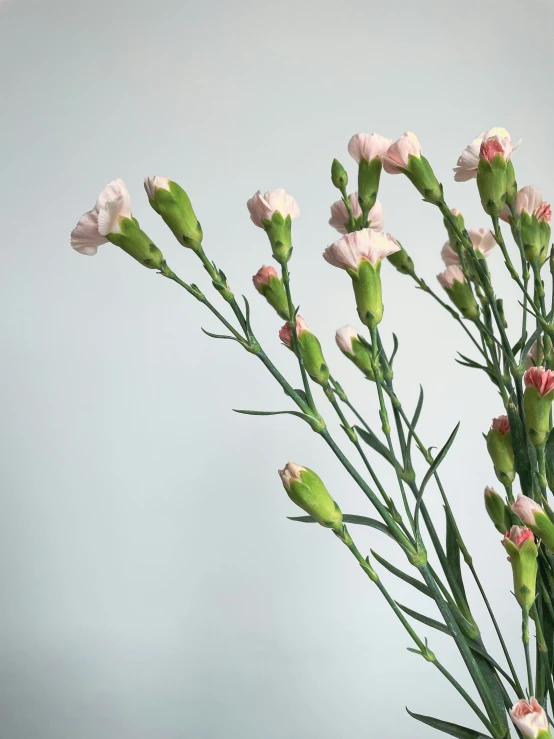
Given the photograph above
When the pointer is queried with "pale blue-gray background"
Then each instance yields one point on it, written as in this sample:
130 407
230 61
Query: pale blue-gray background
152 587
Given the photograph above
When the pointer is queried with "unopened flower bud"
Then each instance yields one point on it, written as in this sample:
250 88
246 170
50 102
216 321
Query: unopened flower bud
340 217
307 490
534 220
268 283
530 718
172 203
468 162
404 157
339 176
537 402
402 261
498 511
111 220
368 149
459 292
492 178
499 446
452 235
310 350
534 516
360 253
522 554
273 212
351 346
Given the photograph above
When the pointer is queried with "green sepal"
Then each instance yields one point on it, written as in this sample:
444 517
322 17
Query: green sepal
421 175
361 358
461 732
498 511
312 356
310 494
499 447
462 297
175 208
537 414
137 244
511 184
455 243
278 230
544 530
535 236
366 281
524 570
274 293
369 174
491 183
402 261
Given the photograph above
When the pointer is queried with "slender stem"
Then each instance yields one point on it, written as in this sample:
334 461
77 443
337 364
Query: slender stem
525 640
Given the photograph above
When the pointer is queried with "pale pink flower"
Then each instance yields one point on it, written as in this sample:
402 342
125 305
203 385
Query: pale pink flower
529 717
541 378
152 184
285 334
529 199
518 535
113 204
262 276
451 274
367 244
368 146
290 473
494 139
398 154
264 206
339 214
526 509
482 240
344 338
501 423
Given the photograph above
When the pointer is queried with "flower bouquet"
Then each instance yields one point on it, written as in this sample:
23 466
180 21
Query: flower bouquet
518 360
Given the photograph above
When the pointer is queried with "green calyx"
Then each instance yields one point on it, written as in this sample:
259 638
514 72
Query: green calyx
402 261
369 174
535 235
499 447
132 239
366 281
511 184
274 293
544 530
498 511
310 494
492 183
544 734
537 414
460 294
312 356
361 358
278 230
524 570
175 208
455 242
421 175
339 176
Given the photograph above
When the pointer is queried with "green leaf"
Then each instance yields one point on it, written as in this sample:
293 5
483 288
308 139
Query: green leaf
218 336
395 349
521 451
534 336
447 728
438 625
432 469
350 518
303 416
549 454
453 553
372 441
402 575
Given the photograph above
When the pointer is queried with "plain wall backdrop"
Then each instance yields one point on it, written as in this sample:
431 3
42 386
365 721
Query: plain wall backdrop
152 586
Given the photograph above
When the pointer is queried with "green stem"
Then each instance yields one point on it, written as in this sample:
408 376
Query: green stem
525 640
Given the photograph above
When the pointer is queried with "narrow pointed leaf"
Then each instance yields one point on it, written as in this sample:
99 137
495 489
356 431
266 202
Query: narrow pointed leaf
453 554
303 416
461 732
402 575
433 623
414 421
372 441
218 336
433 468
350 518
395 348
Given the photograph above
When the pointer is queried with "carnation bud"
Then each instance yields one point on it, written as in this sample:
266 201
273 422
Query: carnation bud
307 490
534 221
530 719
492 184
534 516
267 283
310 350
273 212
522 553
339 176
132 239
404 156
402 261
172 203
352 348
459 292
369 174
498 511
455 242
499 446
537 402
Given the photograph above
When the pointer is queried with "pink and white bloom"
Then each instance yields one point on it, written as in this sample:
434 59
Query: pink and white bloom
487 144
344 338
368 146
263 276
529 717
264 206
285 334
526 509
291 473
518 535
541 378
451 274
113 204
340 218
482 240
152 184
398 154
529 199
367 244
501 423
